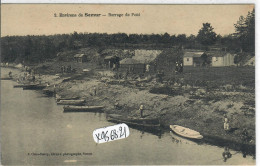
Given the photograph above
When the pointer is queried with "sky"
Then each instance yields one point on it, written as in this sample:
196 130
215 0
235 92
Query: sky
38 19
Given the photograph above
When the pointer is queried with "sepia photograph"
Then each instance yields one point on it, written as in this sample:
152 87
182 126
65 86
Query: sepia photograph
128 84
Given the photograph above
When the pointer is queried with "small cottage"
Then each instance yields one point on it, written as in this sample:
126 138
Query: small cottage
192 58
132 66
220 59
147 58
80 58
111 61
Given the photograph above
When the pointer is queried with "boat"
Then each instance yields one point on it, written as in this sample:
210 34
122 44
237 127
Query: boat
20 86
71 102
6 78
186 132
58 98
49 92
142 122
34 87
30 86
83 108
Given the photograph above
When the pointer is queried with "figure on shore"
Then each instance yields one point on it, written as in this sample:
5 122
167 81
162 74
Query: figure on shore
62 69
226 123
176 67
10 74
33 78
141 109
147 68
95 91
181 68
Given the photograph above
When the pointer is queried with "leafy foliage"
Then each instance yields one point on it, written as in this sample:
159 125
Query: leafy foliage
36 49
206 35
245 31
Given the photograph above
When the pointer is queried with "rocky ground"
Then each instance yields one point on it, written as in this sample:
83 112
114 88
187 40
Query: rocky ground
198 108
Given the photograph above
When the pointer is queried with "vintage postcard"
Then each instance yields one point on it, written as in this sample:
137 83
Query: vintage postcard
124 84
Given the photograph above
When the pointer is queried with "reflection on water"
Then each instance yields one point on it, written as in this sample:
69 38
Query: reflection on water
180 140
226 154
36 131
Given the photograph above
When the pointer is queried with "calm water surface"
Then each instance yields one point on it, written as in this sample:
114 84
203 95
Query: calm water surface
34 123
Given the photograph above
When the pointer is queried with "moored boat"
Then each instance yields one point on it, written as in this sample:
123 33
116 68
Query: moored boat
83 108
142 122
20 86
186 132
30 86
71 102
34 87
58 98
6 78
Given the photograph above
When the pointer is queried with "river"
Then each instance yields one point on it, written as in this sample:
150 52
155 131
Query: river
32 123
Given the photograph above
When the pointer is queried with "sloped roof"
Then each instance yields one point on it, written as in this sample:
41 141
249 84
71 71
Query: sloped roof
146 56
250 62
79 55
129 61
216 53
193 54
112 57
109 57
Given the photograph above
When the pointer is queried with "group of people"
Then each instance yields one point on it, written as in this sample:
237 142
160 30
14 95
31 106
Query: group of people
178 67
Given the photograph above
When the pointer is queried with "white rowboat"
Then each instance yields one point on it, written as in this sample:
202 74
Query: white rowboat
186 132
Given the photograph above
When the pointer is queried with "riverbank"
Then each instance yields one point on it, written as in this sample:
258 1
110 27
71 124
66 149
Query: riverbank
189 106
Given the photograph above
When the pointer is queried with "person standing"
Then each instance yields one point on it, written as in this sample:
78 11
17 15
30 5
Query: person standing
10 74
95 91
226 123
141 109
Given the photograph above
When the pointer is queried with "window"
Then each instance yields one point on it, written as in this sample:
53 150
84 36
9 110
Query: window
216 58
187 59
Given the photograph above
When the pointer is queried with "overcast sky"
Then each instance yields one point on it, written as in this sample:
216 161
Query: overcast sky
38 19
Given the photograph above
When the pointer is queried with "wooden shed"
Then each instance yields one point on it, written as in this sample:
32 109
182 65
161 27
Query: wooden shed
132 66
80 58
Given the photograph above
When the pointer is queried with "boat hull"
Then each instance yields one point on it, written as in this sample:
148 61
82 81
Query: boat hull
30 86
186 132
83 108
7 78
139 122
71 102
34 87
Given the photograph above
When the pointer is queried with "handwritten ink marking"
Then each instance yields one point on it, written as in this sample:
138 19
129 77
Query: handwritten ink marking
111 133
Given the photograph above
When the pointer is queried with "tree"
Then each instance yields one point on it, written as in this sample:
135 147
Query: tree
245 31
237 59
206 35
205 59
166 38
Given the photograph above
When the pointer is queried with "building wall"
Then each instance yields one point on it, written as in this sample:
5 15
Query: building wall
188 61
229 60
132 68
226 60
217 61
